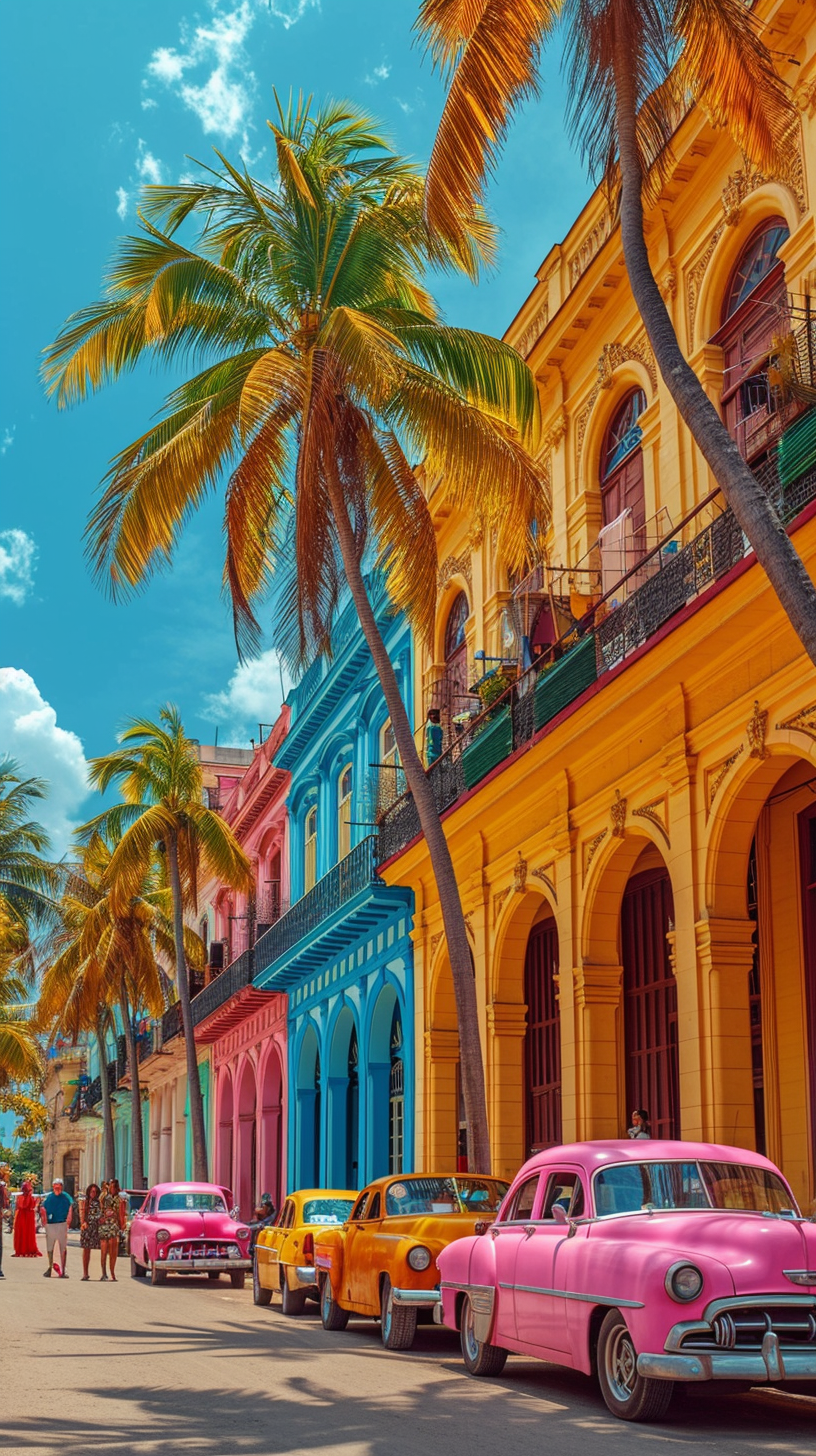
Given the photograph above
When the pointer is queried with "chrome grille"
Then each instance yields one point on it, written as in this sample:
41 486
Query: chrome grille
199 1249
744 1329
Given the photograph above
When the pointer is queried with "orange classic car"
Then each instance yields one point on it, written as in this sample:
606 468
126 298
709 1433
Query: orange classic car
382 1262
284 1251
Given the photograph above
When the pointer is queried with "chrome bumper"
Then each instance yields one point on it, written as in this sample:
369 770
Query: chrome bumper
771 1363
193 1266
305 1274
419 1298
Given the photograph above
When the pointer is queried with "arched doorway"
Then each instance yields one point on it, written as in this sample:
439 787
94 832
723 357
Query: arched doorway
247 1161
542 1040
344 1167
226 1108
386 1087
754 309
272 1126
308 1112
650 996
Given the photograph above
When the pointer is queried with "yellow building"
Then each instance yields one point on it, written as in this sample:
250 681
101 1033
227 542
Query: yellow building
634 824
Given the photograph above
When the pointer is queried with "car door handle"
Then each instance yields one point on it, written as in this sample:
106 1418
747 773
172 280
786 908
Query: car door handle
529 1228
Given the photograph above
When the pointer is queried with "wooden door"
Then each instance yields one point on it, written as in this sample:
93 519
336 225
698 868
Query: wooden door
542 1042
650 1003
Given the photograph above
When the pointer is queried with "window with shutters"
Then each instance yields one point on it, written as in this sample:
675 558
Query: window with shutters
650 1002
754 311
542 1041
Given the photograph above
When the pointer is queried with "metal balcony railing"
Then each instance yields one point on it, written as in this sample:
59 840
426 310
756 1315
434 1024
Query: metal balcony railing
353 874
170 1022
706 545
223 987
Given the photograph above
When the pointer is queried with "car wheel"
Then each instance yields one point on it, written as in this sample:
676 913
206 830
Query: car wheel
293 1301
628 1395
398 1321
238 1279
260 1295
480 1357
137 1270
333 1317
157 1275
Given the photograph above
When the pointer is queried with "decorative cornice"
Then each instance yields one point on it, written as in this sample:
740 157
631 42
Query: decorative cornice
592 244
454 566
802 722
534 330
755 732
613 355
589 849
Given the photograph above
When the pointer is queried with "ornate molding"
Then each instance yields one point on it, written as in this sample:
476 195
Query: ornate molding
615 354
755 732
520 874
498 900
598 985
802 722
468 919
546 874
582 422
589 849
694 277
592 244
534 330
714 776
667 283
454 566
507 1018
657 813
435 939
617 810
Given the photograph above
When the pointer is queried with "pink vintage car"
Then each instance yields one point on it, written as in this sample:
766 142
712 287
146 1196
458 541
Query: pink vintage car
647 1263
187 1228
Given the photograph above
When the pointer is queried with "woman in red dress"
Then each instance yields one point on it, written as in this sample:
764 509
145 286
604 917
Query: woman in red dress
25 1225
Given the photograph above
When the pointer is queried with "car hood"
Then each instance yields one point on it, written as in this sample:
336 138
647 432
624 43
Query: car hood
756 1250
438 1228
197 1225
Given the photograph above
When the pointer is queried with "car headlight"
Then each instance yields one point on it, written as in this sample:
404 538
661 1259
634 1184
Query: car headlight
683 1282
242 1233
163 1235
419 1257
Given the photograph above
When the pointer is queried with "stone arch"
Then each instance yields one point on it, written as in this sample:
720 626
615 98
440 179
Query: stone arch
344 1162
271 1084
307 1102
717 262
224 1124
246 1151
733 822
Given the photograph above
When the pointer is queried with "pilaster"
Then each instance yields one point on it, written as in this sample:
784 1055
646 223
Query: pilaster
725 954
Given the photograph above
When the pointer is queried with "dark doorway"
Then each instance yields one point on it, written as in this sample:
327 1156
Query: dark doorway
755 1006
542 1042
650 1002
807 860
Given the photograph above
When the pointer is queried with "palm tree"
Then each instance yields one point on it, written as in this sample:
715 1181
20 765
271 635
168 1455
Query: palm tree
326 364
28 881
159 775
20 1058
632 66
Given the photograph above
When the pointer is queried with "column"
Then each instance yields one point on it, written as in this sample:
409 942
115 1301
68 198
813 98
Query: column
154 1143
442 1123
335 1118
166 1136
378 1121
597 999
725 953
507 1027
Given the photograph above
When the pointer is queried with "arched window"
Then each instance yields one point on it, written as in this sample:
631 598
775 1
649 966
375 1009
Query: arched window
450 694
344 784
310 848
754 309
455 626
623 537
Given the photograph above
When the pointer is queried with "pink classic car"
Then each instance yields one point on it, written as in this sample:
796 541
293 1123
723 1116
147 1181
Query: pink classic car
187 1228
647 1263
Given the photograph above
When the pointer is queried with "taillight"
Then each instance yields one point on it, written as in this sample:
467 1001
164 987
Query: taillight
308 1248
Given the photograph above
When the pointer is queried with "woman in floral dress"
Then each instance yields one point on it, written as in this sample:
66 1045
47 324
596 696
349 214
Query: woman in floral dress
110 1224
89 1237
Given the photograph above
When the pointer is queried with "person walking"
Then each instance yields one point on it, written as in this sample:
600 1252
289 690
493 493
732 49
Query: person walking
640 1124
25 1223
4 1204
90 1214
111 1223
56 1213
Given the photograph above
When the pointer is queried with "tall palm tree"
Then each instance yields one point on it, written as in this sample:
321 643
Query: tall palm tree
28 881
326 364
159 775
632 65
20 1057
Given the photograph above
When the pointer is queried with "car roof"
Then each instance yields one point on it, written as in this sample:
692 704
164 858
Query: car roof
594 1155
323 1193
404 1177
185 1188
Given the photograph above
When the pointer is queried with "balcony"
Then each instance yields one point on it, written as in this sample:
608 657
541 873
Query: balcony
697 554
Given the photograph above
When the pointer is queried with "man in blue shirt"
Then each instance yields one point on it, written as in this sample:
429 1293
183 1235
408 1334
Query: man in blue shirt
56 1212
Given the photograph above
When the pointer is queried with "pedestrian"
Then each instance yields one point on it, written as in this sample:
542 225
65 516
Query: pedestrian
640 1124
265 1215
4 1203
25 1223
111 1223
56 1213
433 737
90 1214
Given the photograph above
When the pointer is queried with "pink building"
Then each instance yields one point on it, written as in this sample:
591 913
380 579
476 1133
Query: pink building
244 1027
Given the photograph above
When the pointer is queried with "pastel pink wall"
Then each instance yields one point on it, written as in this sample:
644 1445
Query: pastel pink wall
250 1098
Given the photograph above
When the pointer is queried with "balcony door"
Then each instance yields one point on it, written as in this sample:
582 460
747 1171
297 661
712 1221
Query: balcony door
755 309
650 1002
542 1041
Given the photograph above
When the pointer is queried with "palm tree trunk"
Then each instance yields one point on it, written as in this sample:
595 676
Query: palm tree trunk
464 983
743 493
136 1137
195 1099
108 1143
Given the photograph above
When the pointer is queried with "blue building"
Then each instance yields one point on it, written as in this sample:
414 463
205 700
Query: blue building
342 952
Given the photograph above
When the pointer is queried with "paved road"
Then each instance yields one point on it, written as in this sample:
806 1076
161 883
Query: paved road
127 1370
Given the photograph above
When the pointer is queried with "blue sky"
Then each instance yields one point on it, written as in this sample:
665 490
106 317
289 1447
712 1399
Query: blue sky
99 97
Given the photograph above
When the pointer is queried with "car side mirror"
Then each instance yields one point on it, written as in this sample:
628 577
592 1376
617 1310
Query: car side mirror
559 1214
235 1213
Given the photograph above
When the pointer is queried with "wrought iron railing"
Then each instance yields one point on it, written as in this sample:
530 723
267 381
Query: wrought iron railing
340 885
171 1022
223 987
706 545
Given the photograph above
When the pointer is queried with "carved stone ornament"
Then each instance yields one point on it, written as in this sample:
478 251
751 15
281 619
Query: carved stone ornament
618 813
520 874
613 355
468 919
668 281
546 874
716 775
498 900
756 730
590 848
556 432
802 722
656 811
804 96
591 245
454 566
534 330
582 421
435 939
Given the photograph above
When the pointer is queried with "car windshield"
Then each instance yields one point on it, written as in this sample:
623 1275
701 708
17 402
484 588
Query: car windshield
631 1187
444 1195
202 1202
327 1210
135 1201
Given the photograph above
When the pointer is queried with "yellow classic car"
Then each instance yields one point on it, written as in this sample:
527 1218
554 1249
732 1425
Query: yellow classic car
284 1252
382 1262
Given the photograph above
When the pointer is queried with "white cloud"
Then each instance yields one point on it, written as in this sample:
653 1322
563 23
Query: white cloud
18 556
29 733
210 71
8 439
122 200
378 74
293 11
149 103
148 167
253 695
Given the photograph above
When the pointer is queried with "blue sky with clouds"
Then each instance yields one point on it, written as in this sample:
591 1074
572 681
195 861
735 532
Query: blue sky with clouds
98 98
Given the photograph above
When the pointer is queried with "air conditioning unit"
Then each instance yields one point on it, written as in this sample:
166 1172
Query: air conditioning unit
216 955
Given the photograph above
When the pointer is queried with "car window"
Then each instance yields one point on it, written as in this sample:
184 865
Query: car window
374 1207
326 1210
523 1201
461 1194
358 1210
566 1190
198 1202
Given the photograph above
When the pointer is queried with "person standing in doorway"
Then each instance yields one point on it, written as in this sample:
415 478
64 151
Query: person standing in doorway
640 1124
56 1212
111 1223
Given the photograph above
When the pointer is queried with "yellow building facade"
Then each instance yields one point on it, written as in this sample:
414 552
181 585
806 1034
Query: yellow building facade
633 826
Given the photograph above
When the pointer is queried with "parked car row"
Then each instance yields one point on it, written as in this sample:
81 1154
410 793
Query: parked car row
646 1264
